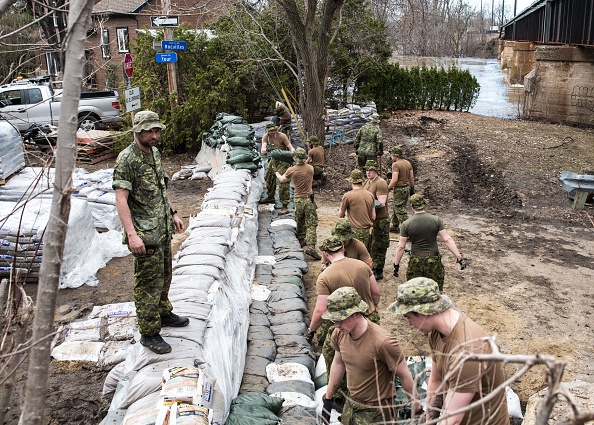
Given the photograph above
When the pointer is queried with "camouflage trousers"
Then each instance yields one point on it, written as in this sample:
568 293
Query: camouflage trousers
306 216
152 279
431 267
399 214
362 159
354 413
325 330
364 236
284 189
286 129
380 241
318 171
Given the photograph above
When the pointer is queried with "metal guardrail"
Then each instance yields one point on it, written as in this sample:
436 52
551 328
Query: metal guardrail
554 22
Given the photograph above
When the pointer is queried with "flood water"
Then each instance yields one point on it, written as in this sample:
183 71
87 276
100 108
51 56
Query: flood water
496 98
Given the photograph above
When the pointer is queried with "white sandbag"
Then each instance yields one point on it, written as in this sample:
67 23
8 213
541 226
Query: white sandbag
259 292
283 222
199 259
321 392
513 404
120 328
280 372
199 175
320 366
295 399
113 352
205 246
84 351
86 330
266 259
198 270
112 379
114 310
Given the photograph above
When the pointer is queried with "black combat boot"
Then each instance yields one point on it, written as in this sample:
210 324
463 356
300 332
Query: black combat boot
155 343
175 321
378 273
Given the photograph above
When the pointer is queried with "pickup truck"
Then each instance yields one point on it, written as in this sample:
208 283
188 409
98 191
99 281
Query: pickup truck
25 103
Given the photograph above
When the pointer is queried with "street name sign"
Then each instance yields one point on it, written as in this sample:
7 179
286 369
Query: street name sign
166 57
174 45
132 96
165 21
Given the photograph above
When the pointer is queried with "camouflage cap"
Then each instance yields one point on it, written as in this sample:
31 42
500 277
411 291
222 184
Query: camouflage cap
374 118
417 202
313 140
147 120
395 150
332 244
343 303
420 295
343 230
356 177
270 126
299 155
371 164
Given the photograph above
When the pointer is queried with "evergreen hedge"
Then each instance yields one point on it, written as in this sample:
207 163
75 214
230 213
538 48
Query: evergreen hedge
393 87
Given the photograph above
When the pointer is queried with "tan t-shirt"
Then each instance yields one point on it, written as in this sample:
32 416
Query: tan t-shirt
302 177
403 168
359 205
279 141
317 156
371 361
353 248
478 377
347 272
378 187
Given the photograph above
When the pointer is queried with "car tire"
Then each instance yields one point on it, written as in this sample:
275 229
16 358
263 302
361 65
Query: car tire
88 122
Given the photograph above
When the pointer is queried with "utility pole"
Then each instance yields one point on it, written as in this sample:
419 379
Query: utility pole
171 68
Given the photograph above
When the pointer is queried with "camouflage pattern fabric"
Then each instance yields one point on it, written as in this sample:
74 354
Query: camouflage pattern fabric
380 242
399 214
306 216
358 414
286 129
284 189
364 236
152 279
318 171
430 267
368 144
421 295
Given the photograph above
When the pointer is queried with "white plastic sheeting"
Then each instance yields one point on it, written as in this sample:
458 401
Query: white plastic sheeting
12 157
212 275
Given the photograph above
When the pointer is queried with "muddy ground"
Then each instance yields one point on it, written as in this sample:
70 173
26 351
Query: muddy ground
495 184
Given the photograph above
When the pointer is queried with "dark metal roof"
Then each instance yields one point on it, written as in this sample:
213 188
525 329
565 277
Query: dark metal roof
118 7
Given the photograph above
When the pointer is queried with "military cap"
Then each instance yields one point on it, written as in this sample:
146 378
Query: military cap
395 150
299 155
420 295
343 303
356 177
417 202
147 120
343 230
332 244
371 164
313 140
270 126
374 118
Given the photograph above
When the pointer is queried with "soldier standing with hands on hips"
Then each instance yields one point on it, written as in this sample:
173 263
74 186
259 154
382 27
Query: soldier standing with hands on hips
403 183
149 221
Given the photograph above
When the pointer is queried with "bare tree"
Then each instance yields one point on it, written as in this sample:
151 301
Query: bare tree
55 234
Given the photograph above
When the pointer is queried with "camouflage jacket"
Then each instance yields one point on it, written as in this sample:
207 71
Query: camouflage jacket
142 175
368 141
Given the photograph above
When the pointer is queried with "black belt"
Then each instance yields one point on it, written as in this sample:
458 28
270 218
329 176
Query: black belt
425 254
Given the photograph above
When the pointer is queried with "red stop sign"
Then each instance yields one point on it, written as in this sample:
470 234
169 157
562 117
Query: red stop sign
128 65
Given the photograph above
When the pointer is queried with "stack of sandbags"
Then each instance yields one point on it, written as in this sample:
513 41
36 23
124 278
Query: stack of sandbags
12 157
96 188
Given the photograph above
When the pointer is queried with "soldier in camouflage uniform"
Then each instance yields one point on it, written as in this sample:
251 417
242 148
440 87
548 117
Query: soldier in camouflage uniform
278 141
380 234
370 356
422 229
306 214
316 157
149 221
368 142
403 182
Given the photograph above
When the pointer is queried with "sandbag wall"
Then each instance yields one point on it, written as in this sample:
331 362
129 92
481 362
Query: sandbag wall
212 275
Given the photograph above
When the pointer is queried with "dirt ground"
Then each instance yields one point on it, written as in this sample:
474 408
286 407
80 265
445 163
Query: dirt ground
495 184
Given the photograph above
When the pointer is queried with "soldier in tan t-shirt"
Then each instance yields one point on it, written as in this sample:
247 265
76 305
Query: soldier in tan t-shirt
353 248
359 207
316 157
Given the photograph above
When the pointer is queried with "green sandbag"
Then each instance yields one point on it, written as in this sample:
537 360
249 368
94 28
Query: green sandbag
284 156
274 404
321 380
239 130
240 141
242 157
240 150
245 166
231 119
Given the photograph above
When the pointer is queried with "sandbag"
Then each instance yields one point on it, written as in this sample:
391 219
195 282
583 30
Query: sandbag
280 155
250 166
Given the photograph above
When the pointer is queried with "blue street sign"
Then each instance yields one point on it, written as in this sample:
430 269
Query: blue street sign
166 57
173 45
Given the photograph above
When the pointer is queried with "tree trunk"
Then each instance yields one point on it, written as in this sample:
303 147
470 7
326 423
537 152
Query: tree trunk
55 234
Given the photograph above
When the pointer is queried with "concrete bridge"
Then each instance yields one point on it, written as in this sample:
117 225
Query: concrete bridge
549 48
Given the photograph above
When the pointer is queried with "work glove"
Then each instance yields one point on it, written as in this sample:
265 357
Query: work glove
463 263
412 190
327 404
396 269
309 335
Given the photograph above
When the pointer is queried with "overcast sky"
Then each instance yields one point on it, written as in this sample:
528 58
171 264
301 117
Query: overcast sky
509 4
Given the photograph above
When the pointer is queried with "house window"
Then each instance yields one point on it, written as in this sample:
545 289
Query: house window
105 49
123 42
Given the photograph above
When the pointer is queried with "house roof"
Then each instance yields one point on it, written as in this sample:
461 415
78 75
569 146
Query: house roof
124 7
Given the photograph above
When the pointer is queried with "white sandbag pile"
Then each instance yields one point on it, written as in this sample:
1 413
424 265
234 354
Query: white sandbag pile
212 274
12 157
